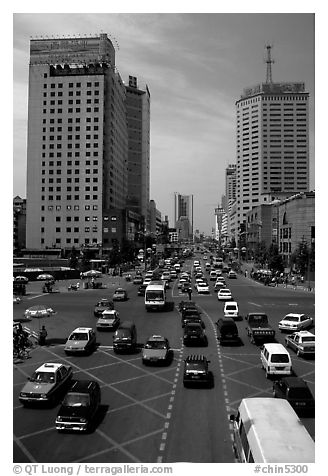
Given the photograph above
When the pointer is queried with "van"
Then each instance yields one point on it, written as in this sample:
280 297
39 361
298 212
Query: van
125 337
267 430
227 331
275 360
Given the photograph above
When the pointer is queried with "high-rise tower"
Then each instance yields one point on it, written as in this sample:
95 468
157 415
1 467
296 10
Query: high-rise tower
272 142
77 147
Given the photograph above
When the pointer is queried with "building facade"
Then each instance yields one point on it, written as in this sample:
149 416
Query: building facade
272 143
184 207
138 121
77 151
19 224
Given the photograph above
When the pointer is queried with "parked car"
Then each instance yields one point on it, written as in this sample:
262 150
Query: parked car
196 372
157 351
109 320
302 342
296 391
81 341
79 407
224 294
295 322
47 383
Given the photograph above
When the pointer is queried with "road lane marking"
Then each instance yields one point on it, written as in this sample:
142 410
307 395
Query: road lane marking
34 297
254 304
24 450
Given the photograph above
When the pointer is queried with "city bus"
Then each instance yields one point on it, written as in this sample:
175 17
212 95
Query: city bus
155 296
267 430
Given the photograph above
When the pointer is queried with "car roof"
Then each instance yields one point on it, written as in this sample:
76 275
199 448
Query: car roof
156 338
49 367
196 358
230 302
82 329
293 314
304 334
109 312
294 382
276 348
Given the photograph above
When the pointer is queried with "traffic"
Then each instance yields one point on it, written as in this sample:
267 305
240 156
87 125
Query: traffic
155 374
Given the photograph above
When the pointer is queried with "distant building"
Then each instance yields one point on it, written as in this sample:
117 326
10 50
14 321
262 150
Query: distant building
184 207
155 219
183 228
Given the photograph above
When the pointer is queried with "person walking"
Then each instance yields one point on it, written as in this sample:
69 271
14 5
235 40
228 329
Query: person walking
42 336
189 293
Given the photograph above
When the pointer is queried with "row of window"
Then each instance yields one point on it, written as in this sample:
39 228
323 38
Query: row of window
58 198
70 85
75 229
59 120
69 110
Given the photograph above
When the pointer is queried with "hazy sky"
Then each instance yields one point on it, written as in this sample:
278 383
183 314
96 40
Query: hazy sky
196 66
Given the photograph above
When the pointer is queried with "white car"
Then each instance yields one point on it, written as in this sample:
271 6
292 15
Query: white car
224 294
203 288
109 320
198 281
295 322
303 342
81 340
231 309
38 311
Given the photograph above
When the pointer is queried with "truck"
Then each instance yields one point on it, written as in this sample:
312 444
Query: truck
258 328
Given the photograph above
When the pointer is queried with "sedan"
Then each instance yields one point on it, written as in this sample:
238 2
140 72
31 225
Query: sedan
156 351
232 275
138 280
224 295
38 311
302 342
296 391
203 288
120 295
21 279
81 341
295 322
109 320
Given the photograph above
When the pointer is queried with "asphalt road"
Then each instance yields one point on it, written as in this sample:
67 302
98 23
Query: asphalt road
146 414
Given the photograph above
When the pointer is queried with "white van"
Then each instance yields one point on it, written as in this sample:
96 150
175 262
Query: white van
275 360
267 430
230 309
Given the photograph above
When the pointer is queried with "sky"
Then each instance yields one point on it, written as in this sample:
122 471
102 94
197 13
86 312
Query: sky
196 66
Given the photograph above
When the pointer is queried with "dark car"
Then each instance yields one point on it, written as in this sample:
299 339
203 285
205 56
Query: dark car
185 287
192 318
183 305
296 391
125 337
196 372
79 407
101 306
120 294
227 331
194 334
142 289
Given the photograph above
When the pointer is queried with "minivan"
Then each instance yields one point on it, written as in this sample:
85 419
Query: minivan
125 337
227 331
231 309
275 360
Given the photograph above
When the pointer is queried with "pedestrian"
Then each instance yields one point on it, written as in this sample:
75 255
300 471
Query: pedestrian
42 336
189 293
77 286
286 282
294 282
246 273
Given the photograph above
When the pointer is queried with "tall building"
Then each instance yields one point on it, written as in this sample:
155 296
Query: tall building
230 193
184 207
19 225
272 142
77 150
138 120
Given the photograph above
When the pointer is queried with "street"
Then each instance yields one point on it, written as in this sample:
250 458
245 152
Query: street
146 413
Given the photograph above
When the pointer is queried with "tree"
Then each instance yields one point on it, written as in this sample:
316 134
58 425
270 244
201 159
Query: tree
275 260
73 259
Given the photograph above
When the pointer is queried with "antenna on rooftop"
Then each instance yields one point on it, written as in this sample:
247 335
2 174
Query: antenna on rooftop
269 61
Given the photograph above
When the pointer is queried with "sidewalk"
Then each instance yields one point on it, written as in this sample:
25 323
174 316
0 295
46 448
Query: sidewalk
249 265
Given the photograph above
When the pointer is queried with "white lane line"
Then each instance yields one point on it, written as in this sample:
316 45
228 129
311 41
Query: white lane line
37 296
255 304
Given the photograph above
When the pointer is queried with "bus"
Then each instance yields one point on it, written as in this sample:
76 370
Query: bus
155 296
267 430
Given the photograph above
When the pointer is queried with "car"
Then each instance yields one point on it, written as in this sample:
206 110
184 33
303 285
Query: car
232 275
166 275
192 319
220 279
224 294
16 300
21 279
156 350
79 407
219 285
203 288
231 309
142 289
196 372
138 279
303 342
185 287
296 391
109 320
120 294
182 281
81 341
101 306
38 311
225 269
295 322
146 280
198 281
183 305
47 383
213 275
194 334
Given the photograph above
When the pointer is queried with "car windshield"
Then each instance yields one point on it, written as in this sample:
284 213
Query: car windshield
291 318
280 358
194 367
155 295
231 308
308 339
43 377
78 336
120 293
103 304
155 345
76 400
123 333
299 393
